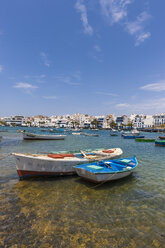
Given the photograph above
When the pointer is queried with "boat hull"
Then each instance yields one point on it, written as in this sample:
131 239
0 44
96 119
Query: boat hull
162 137
160 143
131 136
107 170
145 140
23 173
28 166
99 178
27 136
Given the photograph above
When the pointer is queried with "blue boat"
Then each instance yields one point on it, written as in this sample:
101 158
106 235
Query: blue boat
107 170
132 136
160 142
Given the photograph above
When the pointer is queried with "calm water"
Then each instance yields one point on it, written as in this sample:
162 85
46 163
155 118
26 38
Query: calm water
69 212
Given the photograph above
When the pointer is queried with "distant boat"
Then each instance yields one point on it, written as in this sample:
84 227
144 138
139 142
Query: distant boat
160 142
132 136
145 139
32 136
29 165
76 133
20 131
107 170
162 137
91 134
134 132
113 132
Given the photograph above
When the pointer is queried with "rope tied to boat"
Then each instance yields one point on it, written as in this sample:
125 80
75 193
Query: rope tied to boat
99 184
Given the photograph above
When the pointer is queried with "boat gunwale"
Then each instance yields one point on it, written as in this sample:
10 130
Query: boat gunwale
110 172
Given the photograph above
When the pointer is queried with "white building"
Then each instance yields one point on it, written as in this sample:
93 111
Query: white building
159 119
143 121
16 120
120 120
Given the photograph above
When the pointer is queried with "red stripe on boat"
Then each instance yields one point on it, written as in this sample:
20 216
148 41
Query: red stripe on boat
26 173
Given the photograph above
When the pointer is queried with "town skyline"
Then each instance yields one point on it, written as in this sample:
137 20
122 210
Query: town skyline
85 121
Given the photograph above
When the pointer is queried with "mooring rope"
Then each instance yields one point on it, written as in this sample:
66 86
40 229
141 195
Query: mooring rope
97 185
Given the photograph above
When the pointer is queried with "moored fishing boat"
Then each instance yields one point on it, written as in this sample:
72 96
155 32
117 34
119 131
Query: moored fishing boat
91 134
134 132
32 136
132 136
162 137
160 142
108 153
76 133
145 139
113 132
107 170
29 165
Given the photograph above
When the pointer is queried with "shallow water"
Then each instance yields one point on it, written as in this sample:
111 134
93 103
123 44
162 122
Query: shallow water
69 212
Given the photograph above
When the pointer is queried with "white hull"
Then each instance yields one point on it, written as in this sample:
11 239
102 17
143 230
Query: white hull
31 165
98 178
30 136
116 152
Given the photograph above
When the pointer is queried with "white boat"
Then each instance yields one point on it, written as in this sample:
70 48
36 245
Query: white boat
107 170
76 133
134 132
91 134
109 153
32 136
29 165
114 132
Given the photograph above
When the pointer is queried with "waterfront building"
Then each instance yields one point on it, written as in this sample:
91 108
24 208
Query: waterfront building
159 119
16 120
122 120
143 121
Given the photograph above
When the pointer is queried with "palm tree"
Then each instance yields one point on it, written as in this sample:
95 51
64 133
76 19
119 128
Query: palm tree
95 123
113 124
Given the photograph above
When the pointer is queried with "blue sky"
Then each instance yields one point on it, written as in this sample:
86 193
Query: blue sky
87 56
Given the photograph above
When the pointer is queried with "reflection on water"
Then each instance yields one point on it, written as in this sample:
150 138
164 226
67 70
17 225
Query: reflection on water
69 212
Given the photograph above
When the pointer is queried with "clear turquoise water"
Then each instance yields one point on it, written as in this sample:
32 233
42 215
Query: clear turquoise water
69 212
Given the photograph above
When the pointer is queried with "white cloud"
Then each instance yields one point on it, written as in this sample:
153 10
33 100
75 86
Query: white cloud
123 105
136 28
159 86
68 80
77 75
36 78
114 10
81 8
26 86
1 68
97 48
106 93
50 97
142 37
151 106
45 59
